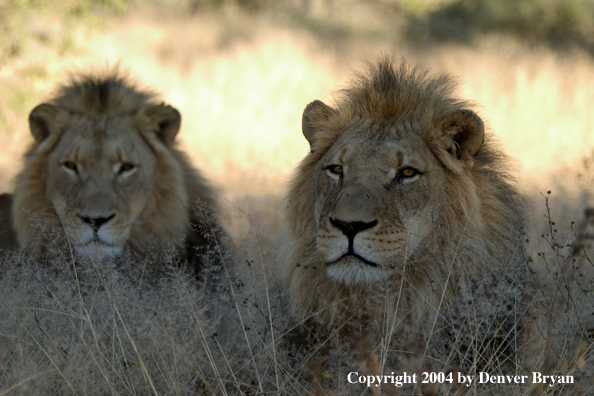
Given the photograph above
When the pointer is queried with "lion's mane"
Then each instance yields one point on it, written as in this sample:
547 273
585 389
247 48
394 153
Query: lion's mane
467 280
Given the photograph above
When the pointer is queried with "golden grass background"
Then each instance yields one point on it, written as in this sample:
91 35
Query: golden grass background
242 80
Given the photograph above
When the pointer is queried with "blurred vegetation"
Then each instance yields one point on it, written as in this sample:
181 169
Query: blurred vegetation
45 28
49 27
559 23
33 22
562 24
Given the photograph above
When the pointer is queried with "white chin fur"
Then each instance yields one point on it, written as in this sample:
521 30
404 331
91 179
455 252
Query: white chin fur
98 250
352 272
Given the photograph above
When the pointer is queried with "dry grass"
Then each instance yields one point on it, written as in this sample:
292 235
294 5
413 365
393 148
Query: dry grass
80 326
241 84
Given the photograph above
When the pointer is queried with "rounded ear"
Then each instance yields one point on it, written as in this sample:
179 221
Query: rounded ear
167 119
467 133
46 119
314 115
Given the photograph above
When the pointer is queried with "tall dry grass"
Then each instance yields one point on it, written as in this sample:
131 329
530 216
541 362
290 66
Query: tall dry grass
73 326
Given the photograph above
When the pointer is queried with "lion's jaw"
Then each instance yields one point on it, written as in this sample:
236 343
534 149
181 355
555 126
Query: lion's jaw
350 270
372 222
100 185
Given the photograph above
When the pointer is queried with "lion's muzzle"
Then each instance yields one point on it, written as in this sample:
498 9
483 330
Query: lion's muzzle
97 235
96 222
350 229
98 240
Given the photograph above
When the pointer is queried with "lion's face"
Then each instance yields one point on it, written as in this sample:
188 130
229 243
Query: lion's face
100 178
107 178
377 189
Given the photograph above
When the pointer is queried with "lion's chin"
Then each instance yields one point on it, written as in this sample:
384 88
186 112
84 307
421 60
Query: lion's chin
351 271
98 250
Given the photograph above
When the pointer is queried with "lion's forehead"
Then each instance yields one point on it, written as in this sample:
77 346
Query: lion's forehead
98 141
392 150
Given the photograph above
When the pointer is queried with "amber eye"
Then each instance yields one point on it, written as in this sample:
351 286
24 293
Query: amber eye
408 172
126 167
336 169
70 165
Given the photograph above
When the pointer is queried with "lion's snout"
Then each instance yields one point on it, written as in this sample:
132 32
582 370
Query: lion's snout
96 222
100 228
351 228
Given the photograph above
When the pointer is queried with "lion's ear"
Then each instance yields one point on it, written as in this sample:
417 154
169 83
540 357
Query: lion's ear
168 120
46 119
467 133
314 115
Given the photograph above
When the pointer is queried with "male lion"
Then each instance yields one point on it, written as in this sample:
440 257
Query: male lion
403 223
104 167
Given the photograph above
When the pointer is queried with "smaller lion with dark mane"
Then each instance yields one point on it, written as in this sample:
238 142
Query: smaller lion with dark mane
105 172
403 224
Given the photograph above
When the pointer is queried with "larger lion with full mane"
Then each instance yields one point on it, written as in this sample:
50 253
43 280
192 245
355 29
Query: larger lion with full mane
403 222
104 174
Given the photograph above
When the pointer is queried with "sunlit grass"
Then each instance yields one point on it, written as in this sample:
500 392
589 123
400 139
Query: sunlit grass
241 90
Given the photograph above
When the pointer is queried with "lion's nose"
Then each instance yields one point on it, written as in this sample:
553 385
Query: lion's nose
352 228
96 222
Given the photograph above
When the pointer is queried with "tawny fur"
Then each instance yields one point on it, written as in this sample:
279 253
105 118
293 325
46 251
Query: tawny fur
168 215
469 273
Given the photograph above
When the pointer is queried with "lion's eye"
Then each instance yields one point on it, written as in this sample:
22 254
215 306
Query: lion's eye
408 172
406 175
336 169
70 165
126 167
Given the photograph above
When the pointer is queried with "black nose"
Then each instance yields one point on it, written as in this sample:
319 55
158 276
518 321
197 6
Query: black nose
96 222
351 228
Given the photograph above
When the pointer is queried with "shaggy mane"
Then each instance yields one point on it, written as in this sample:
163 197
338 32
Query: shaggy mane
109 91
389 91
